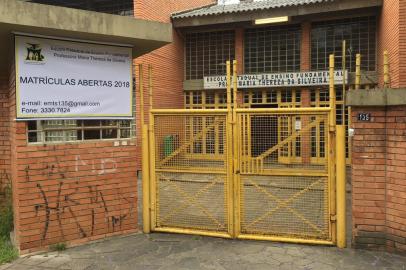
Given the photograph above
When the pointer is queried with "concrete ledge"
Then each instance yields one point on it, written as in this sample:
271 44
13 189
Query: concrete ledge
377 97
20 16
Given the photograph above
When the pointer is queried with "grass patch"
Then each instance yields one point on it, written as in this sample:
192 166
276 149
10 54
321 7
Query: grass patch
7 251
58 247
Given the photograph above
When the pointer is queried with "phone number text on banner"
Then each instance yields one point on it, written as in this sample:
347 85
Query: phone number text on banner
72 79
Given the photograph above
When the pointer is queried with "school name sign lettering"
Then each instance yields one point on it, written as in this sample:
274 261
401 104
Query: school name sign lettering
291 79
72 79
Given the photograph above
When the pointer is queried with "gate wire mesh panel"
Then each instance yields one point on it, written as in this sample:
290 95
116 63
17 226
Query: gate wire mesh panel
191 171
283 193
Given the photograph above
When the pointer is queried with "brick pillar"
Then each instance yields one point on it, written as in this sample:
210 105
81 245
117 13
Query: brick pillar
368 178
305 92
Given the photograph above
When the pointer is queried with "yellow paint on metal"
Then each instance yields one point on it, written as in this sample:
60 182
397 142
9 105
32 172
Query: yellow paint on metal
358 71
193 232
331 150
285 239
236 149
154 204
386 78
216 172
145 159
230 158
341 184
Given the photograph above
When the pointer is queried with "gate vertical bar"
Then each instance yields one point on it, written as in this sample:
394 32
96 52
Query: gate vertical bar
341 181
145 158
386 78
358 71
152 175
229 159
331 160
236 146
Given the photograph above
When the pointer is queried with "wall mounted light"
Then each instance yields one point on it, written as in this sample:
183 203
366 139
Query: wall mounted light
272 20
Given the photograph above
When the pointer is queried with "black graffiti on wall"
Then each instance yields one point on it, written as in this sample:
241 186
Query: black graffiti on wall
70 195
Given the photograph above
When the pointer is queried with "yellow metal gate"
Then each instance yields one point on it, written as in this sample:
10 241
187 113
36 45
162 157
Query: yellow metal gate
246 191
223 172
279 200
190 192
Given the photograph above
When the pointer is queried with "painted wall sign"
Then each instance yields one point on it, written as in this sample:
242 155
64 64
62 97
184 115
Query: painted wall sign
364 117
290 79
72 79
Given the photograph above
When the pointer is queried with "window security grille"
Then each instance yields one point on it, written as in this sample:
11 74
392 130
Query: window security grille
272 49
360 36
206 53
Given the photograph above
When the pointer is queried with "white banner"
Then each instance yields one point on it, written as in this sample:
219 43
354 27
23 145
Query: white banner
291 79
72 79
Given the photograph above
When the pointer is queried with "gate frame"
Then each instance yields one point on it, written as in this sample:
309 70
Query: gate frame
336 192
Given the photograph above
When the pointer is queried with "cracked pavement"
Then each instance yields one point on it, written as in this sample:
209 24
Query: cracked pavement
172 251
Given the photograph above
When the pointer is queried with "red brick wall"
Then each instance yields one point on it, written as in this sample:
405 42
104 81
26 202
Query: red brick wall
402 43
388 39
396 178
4 135
167 62
70 192
379 179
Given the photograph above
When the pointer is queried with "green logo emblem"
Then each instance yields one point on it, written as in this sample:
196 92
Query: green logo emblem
34 53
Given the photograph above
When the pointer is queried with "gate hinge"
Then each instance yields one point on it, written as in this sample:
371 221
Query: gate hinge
333 217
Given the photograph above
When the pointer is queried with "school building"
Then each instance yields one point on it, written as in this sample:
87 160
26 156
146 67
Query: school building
251 158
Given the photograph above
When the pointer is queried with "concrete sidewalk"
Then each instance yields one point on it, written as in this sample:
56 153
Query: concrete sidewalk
177 252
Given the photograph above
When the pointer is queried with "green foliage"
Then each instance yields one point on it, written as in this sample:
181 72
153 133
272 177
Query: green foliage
58 247
7 252
6 215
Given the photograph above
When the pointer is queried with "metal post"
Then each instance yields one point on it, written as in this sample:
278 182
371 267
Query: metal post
332 93
145 159
229 161
331 147
340 186
150 86
385 69
344 78
236 175
228 64
358 72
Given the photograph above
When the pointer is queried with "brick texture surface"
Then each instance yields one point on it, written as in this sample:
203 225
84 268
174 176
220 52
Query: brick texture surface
70 192
379 179
389 39
167 62
4 134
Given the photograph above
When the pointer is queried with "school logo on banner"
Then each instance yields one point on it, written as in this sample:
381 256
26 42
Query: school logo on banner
34 54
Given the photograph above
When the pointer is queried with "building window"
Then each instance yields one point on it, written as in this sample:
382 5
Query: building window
206 100
56 131
360 37
53 131
281 98
272 49
117 7
207 53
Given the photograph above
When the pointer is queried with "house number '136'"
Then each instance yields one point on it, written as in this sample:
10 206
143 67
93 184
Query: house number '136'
365 117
